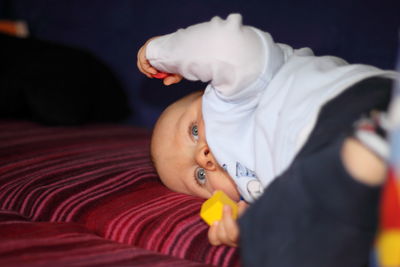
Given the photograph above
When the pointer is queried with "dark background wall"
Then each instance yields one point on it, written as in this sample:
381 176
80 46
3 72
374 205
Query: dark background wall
360 31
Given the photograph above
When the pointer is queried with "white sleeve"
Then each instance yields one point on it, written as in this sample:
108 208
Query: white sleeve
223 52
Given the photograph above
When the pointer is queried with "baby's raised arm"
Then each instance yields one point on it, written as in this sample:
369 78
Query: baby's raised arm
225 53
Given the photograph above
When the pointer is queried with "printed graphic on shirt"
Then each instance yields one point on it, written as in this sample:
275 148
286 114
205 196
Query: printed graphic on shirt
225 167
254 186
242 170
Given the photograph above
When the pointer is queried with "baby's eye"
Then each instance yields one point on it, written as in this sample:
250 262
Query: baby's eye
195 132
200 176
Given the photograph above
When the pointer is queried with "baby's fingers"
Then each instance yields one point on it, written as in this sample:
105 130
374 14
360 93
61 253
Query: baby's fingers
213 234
224 232
231 228
172 78
143 64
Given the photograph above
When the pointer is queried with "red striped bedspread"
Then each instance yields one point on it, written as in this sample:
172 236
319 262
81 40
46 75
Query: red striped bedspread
89 196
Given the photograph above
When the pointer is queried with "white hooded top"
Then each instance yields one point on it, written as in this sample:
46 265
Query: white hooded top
263 98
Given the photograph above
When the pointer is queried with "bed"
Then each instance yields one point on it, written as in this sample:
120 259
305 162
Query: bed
89 195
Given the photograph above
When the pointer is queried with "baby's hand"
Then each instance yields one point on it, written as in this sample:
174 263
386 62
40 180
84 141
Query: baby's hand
226 231
145 67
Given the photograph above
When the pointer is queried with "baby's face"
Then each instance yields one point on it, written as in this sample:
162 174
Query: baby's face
181 155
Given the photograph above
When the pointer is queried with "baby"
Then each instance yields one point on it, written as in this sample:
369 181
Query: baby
257 113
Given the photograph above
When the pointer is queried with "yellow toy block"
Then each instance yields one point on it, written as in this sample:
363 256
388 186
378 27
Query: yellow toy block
388 246
212 209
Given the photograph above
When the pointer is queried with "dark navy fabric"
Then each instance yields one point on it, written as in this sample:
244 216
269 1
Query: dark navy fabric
360 31
315 214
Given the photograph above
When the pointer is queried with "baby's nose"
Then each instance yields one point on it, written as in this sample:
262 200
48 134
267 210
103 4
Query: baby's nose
204 158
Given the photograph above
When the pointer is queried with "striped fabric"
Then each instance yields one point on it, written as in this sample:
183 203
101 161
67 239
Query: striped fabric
69 244
80 195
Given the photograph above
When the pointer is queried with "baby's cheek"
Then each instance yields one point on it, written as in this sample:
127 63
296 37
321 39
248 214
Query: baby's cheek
229 188
234 194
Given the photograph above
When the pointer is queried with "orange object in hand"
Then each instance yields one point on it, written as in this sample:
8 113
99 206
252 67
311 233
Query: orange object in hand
160 75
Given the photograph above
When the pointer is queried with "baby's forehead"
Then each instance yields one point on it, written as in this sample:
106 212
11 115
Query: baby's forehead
187 100
175 110
166 123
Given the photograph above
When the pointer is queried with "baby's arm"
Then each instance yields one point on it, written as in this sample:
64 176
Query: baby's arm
223 52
